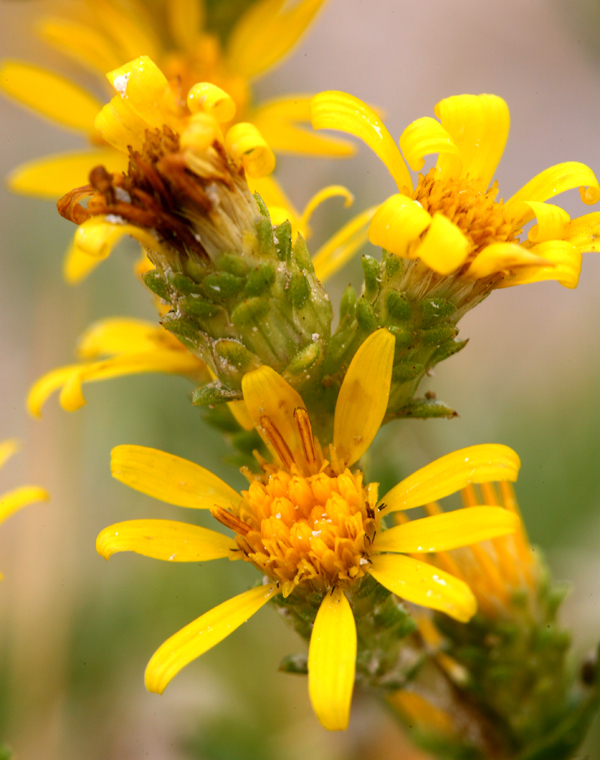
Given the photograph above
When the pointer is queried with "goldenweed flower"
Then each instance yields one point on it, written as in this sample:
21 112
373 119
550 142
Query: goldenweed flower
102 35
14 500
456 235
311 524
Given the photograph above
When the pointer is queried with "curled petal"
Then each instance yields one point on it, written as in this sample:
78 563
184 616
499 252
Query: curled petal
331 191
201 635
267 32
478 126
584 232
120 126
424 137
338 110
143 86
332 661
450 530
502 257
340 248
422 583
170 478
20 497
164 539
363 397
553 221
476 464
50 95
563 264
444 247
397 223
557 179
205 96
245 143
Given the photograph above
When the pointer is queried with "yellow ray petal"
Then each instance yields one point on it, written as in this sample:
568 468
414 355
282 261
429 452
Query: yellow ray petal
77 264
331 191
478 126
285 125
340 248
502 257
50 95
85 44
164 539
267 32
363 397
7 449
397 223
120 335
475 464
240 412
440 533
129 31
211 99
20 497
267 394
332 661
553 221
563 265
338 110
120 126
444 248
170 478
54 176
43 388
424 584
143 86
584 232
245 143
424 137
549 183
201 635
186 20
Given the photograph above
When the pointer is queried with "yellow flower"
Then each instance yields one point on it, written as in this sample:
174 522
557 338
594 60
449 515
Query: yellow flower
19 497
102 35
310 524
451 220
132 347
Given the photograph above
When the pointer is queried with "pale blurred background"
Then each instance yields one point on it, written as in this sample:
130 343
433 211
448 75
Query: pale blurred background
76 632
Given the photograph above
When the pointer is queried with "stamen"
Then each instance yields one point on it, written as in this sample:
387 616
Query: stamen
276 440
230 521
306 435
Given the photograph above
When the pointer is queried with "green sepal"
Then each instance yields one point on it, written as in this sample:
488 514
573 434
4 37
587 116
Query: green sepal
233 263
297 664
214 393
283 240
301 254
260 279
447 349
404 336
264 237
365 316
398 306
183 284
155 282
434 309
237 354
404 371
298 290
199 307
304 359
348 304
250 311
372 273
220 286
425 408
262 206
435 336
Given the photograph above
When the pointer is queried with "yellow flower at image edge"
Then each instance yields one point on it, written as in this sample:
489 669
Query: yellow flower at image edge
308 522
451 219
20 497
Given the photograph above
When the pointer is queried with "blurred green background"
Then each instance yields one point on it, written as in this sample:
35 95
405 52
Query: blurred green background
76 632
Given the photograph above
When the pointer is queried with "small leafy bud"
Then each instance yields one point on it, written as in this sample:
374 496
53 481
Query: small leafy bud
157 285
213 393
302 255
235 353
398 306
233 263
372 274
222 285
304 359
283 240
348 303
365 316
260 279
438 335
434 309
249 312
298 290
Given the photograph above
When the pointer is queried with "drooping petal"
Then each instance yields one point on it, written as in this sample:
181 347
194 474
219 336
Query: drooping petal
267 394
170 478
85 44
20 497
245 144
563 265
43 388
444 247
50 95
449 530
485 463
164 539
397 223
120 335
331 191
424 584
584 232
363 396
207 97
332 661
340 248
77 264
285 125
54 176
266 33
7 449
478 126
552 221
424 137
186 20
502 257
338 110
549 183
201 635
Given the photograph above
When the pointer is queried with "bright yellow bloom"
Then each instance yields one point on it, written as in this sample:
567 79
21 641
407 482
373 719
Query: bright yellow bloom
102 35
310 524
451 220
13 500
132 347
